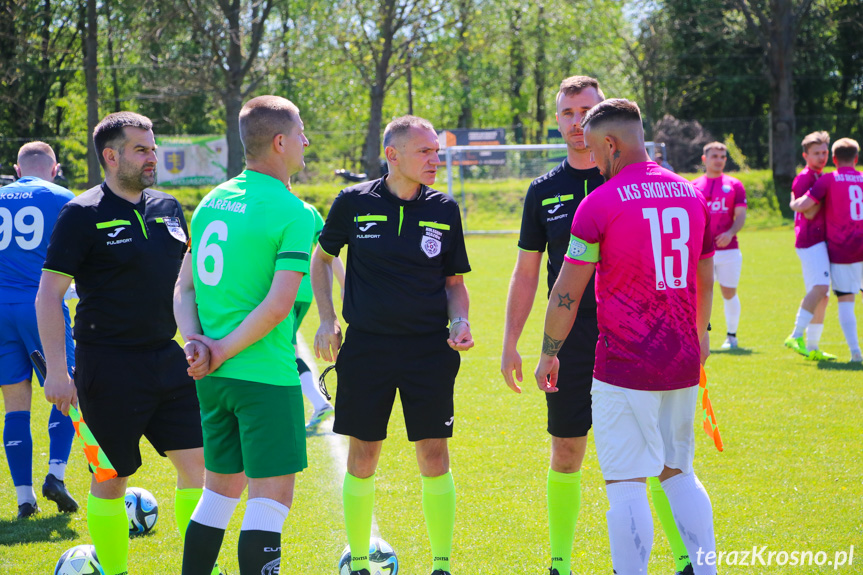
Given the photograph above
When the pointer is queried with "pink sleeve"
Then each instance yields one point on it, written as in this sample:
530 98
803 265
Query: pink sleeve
819 190
740 195
707 248
802 184
585 233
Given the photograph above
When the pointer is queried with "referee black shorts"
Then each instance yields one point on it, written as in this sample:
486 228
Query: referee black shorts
124 394
569 412
372 367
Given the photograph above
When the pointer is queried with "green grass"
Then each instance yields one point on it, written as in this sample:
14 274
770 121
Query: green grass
790 476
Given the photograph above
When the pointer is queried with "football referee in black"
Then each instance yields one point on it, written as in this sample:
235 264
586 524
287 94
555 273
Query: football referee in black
123 243
404 285
549 208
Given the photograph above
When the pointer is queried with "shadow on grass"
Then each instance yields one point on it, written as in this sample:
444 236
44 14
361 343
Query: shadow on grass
840 366
37 529
738 351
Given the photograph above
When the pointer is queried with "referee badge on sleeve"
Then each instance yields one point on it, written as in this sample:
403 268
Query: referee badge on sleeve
175 229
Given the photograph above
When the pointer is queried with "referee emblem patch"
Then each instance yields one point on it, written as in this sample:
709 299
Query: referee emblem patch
175 229
430 246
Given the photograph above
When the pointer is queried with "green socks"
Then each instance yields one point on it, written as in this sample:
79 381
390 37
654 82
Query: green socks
109 530
564 503
358 496
439 511
663 511
185 501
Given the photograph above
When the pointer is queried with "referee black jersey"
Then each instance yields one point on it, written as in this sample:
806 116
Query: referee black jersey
549 208
399 256
125 259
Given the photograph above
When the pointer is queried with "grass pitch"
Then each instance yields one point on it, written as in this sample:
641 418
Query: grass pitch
790 477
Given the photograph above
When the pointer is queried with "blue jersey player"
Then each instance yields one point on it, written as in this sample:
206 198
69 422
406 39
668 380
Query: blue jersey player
28 210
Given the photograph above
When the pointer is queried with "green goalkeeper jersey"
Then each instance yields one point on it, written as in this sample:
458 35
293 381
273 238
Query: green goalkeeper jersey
304 294
242 233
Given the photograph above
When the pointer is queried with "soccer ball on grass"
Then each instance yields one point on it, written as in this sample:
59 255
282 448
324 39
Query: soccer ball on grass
142 510
79 560
382 559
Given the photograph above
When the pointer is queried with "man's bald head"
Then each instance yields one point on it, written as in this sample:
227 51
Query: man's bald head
615 135
262 119
36 159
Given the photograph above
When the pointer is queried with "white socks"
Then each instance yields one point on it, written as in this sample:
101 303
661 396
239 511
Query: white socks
732 313
803 319
848 321
630 527
813 335
693 514
264 515
311 391
25 494
214 510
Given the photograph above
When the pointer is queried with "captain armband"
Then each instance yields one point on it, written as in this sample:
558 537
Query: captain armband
582 251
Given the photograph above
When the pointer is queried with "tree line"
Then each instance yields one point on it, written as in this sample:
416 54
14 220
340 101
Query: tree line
762 71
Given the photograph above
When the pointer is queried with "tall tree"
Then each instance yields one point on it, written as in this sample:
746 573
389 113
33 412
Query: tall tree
232 32
380 37
539 75
91 73
464 20
775 23
518 100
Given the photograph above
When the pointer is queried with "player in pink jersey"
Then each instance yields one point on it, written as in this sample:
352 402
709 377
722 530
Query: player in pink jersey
726 199
841 193
809 233
646 232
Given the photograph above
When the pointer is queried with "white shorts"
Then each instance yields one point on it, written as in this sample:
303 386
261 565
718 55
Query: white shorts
847 278
726 267
638 432
816 265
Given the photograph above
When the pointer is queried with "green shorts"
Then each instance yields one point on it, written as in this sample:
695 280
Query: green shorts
301 308
253 427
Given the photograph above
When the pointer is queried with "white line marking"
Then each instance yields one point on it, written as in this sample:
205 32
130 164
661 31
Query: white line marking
338 444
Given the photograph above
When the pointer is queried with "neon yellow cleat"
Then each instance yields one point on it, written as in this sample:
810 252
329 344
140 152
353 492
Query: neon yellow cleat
818 355
797 344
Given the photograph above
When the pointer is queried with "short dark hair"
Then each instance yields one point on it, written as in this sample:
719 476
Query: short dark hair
262 119
399 127
109 133
814 139
575 84
846 149
616 109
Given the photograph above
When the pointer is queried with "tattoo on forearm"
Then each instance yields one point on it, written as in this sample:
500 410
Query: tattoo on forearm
551 346
565 301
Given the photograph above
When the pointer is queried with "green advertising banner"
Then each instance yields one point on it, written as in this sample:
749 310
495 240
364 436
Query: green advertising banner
191 160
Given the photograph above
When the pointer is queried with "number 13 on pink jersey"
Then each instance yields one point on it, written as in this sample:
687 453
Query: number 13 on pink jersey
665 264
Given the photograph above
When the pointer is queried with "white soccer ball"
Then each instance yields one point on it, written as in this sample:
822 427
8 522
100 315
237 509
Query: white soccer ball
382 559
141 509
79 560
